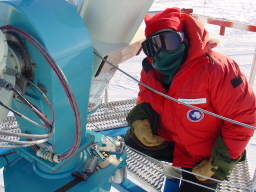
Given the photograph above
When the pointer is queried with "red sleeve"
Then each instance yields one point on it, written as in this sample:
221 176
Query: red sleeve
155 100
232 97
145 95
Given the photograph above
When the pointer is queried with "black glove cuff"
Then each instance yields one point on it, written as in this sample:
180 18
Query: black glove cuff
144 111
163 152
222 159
220 154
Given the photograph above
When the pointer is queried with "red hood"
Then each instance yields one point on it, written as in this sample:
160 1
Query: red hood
198 37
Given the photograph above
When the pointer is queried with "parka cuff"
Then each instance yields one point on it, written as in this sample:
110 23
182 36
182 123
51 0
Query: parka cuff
222 159
144 111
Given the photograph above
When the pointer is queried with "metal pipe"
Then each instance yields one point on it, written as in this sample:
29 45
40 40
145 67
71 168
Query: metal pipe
253 69
253 187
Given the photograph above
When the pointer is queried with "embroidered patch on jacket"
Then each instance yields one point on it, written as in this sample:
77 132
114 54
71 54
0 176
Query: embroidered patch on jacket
195 115
237 81
193 101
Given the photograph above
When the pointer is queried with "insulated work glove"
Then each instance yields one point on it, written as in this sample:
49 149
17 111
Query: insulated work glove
220 164
205 168
143 134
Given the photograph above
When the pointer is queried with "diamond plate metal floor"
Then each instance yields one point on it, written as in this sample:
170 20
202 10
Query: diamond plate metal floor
9 124
111 115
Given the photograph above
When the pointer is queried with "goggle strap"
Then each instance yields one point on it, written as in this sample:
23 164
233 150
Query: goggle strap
150 47
163 45
147 48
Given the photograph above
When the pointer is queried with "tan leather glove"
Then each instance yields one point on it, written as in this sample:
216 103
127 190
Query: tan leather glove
205 168
220 164
143 132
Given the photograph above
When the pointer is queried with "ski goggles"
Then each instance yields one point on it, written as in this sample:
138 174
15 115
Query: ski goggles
168 41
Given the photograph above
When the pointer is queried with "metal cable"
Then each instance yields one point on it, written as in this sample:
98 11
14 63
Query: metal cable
158 162
46 99
41 115
28 136
58 71
24 143
191 182
22 116
161 164
49 104
8 86
172 98
36 137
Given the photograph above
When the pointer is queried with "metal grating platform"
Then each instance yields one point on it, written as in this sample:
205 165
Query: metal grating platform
112 115
239 176
9 124
146 172
149 173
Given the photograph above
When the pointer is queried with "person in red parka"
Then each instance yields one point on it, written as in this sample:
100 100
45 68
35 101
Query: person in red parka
180 63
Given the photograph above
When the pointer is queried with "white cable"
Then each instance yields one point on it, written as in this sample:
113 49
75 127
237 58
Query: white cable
172 98
25 135
23 143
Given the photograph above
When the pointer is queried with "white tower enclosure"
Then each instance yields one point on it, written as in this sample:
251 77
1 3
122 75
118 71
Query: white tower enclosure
112 24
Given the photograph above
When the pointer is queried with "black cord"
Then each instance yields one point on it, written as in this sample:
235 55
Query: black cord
8 86
63 80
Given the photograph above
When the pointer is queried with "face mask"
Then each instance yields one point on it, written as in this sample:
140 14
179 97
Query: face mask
169 63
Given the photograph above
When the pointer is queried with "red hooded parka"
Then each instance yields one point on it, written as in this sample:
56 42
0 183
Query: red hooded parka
208 80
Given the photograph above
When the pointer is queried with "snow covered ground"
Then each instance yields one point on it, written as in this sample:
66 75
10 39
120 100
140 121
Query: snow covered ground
241 45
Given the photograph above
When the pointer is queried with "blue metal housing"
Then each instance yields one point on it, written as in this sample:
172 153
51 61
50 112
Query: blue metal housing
57 25
60 29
